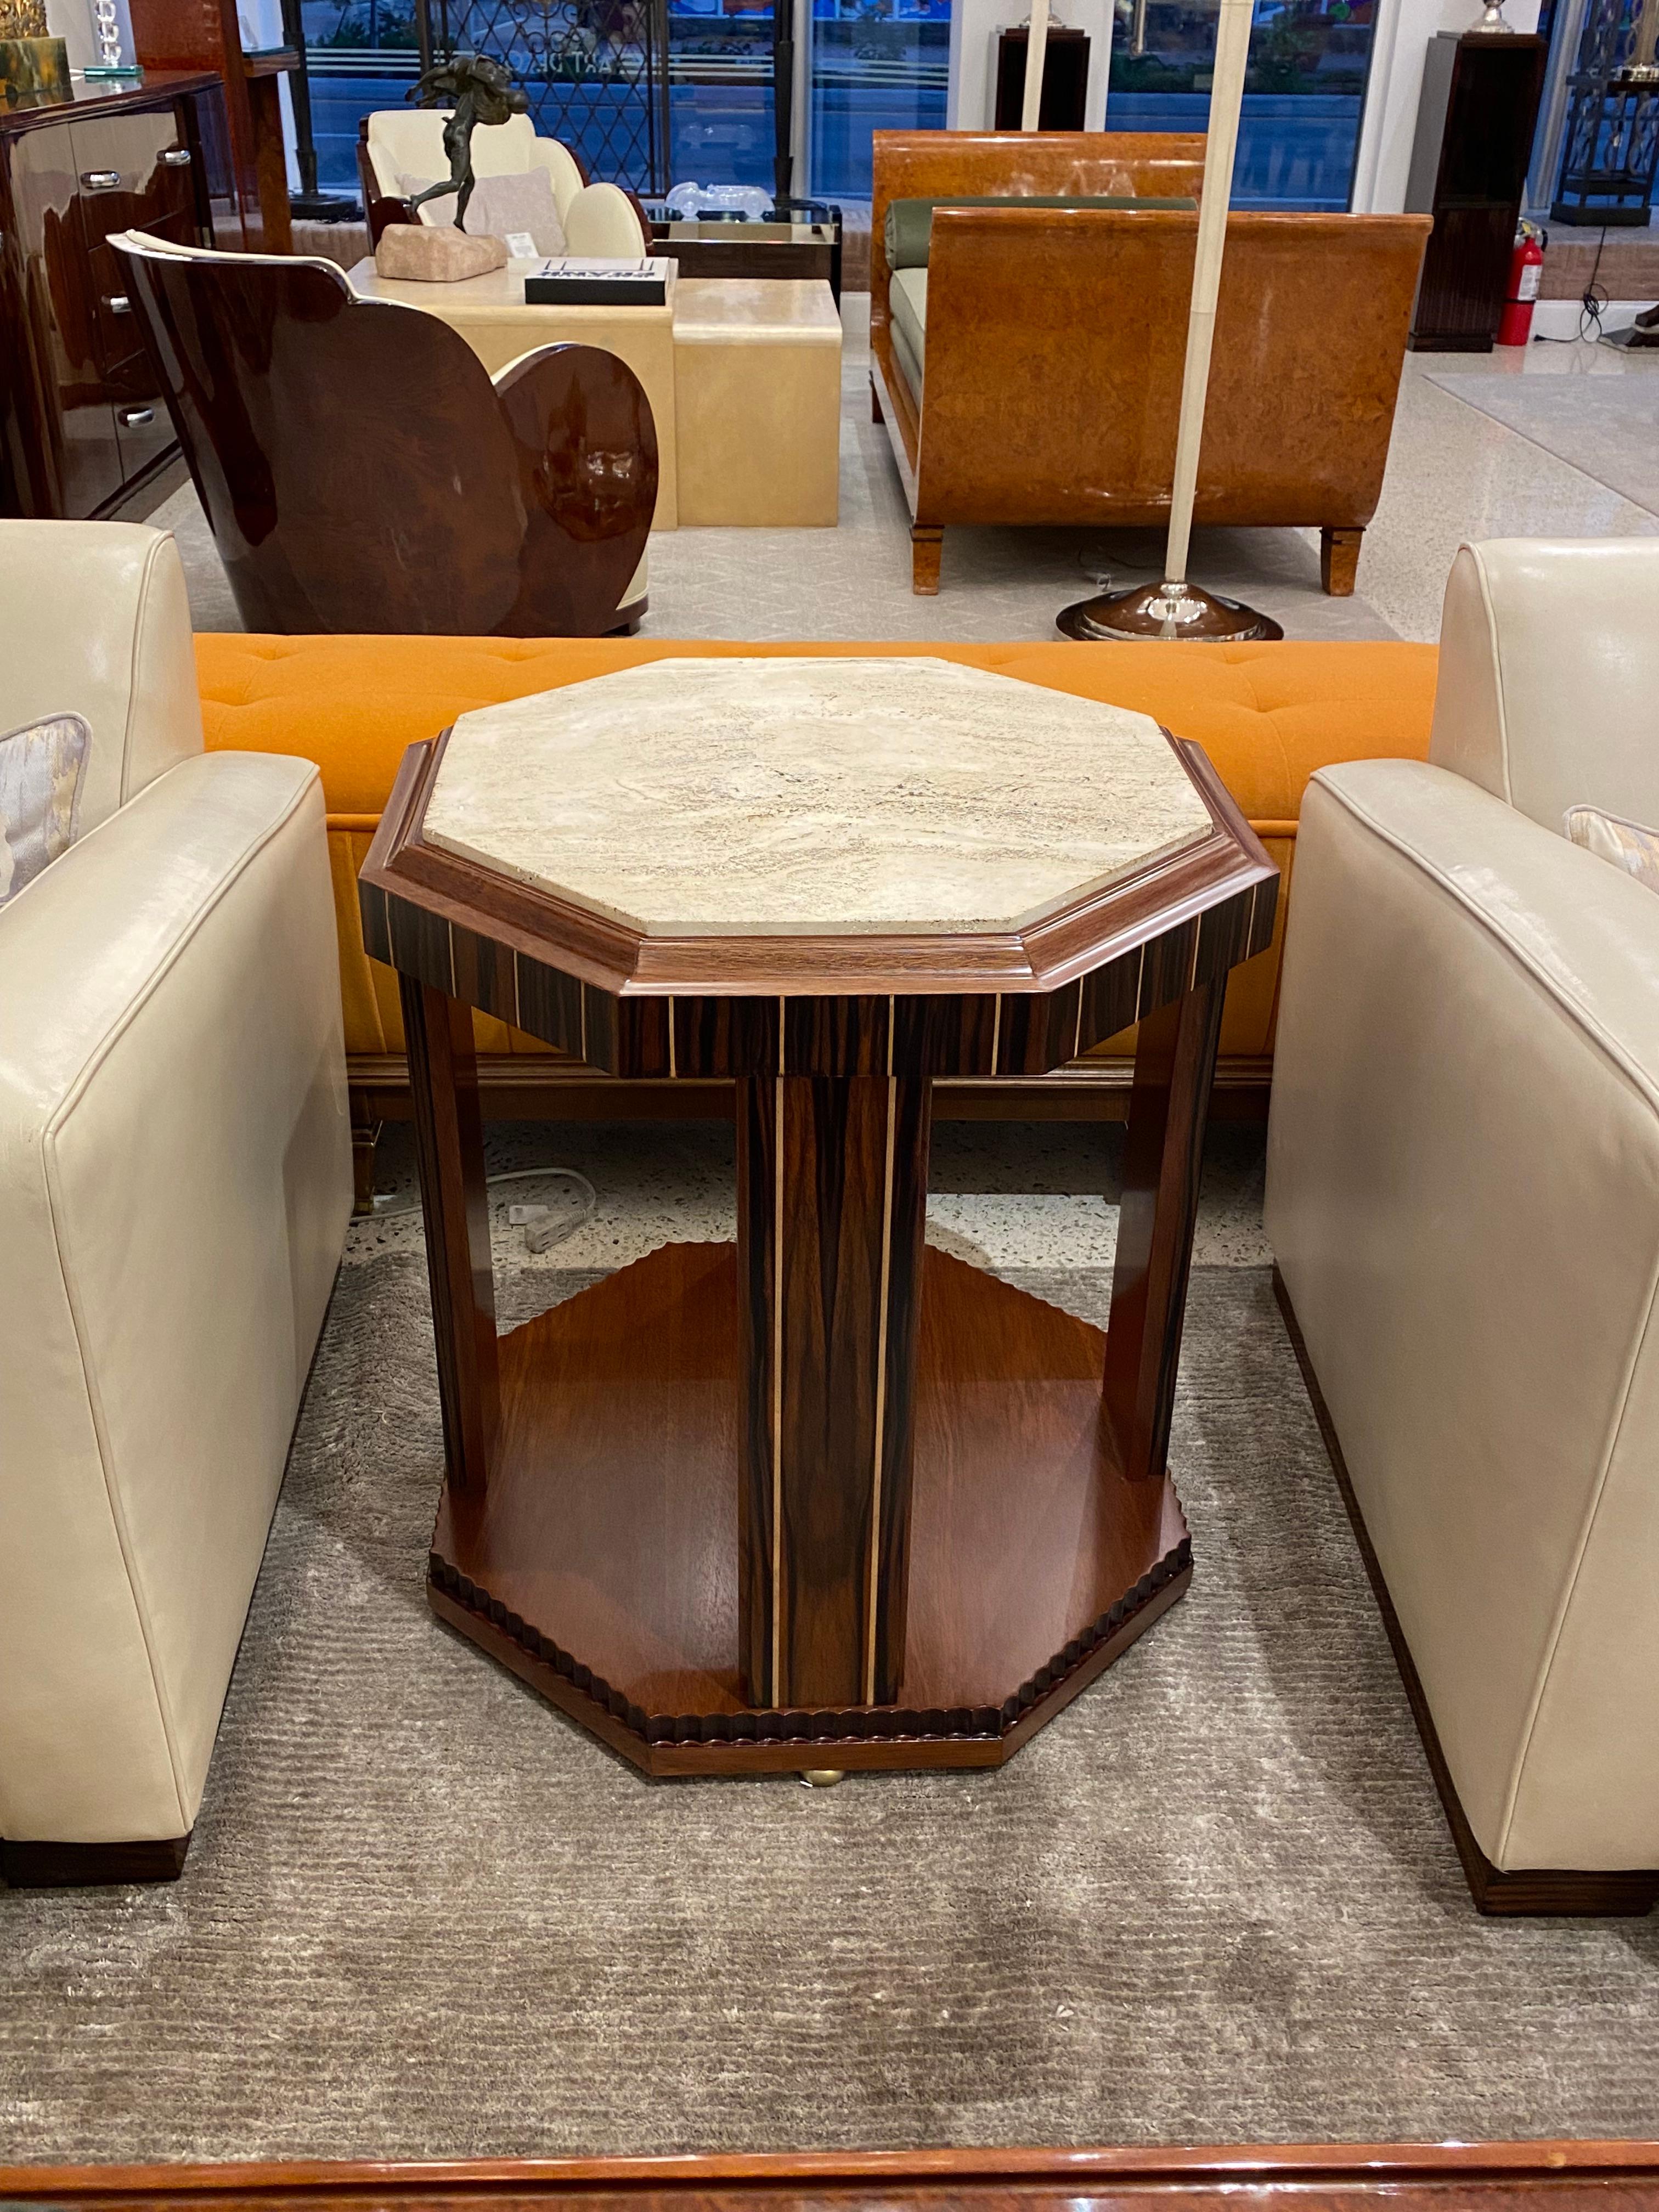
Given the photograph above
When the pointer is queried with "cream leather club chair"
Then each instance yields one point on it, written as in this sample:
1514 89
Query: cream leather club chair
402 142
1463 1198
175 1179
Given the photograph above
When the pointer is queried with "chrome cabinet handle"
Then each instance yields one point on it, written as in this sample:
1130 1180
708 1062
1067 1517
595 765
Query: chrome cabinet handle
176 157
135 418
117 303
100 180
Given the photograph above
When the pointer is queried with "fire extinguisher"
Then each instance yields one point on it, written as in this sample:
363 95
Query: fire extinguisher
1526 274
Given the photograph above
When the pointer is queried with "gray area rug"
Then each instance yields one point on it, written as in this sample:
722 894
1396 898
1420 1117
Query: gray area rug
1607 425
425 1916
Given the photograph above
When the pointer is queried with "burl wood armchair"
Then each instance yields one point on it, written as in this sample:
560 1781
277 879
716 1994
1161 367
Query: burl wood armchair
362 471
1030 372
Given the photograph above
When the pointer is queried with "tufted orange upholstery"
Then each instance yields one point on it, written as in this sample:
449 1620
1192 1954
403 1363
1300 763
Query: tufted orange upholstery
1269 715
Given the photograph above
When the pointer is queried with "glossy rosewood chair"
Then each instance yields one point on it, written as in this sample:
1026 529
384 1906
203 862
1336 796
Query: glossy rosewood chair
362 471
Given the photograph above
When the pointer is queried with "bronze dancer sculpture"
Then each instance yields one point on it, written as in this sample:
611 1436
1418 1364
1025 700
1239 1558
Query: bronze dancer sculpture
482 92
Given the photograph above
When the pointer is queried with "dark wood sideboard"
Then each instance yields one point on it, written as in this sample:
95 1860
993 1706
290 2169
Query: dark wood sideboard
83 423
1475 126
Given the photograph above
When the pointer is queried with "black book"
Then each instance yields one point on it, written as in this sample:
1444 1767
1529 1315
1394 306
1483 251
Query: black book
570 280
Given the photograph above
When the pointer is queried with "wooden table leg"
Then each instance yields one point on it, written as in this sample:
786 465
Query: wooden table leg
832 1190
1163 1160
443 1077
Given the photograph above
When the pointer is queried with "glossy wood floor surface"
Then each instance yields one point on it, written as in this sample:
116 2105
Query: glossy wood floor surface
601 1562
1553 2177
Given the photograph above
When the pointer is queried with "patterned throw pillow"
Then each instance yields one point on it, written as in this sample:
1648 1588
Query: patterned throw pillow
40 771
1628 845
499 207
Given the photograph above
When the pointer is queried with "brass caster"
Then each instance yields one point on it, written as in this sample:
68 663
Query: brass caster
822 1777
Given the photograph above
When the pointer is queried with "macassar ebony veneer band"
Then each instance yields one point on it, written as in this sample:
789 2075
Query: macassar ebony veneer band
997 1034
576 1686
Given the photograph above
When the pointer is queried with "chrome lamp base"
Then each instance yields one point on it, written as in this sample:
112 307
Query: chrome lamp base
1167 611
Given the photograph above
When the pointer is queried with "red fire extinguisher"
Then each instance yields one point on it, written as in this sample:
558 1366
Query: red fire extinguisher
1526 274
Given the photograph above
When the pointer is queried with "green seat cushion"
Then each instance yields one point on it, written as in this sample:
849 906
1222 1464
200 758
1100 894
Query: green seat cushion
909 223
906 303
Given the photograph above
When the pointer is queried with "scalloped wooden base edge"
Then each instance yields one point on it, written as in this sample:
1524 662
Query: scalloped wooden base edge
803 1740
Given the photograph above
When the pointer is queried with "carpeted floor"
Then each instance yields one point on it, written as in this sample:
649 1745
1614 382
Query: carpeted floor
425 1916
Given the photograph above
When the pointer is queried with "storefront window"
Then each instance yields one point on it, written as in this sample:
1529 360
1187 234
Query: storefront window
719 95
876 65
1302 95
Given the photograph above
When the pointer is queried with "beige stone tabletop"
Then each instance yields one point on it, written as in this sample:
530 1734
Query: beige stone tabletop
858 796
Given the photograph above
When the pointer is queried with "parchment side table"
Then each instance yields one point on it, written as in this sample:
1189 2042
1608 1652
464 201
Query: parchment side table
826 1498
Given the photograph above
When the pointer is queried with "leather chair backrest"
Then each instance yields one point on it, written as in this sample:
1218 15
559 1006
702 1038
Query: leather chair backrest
1055 344
1548 692
409 142
362 471
602 220
930 165
97 624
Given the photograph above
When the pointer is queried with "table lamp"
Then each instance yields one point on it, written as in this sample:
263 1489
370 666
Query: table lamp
1175 608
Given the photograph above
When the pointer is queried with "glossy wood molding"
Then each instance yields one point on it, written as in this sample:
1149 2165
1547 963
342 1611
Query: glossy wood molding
1015 1003
1502 1893
1553 2177
521 508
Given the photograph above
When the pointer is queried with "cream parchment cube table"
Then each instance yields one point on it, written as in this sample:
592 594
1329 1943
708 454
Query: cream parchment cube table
826 1497
742 375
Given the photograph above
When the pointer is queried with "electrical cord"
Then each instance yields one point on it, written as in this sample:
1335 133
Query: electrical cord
542 1231
1592 305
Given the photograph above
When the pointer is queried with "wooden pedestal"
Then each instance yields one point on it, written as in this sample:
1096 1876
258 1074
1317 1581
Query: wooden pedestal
824 1498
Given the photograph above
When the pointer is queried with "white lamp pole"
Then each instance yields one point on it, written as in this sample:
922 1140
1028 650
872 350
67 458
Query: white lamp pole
1174 608
1037 52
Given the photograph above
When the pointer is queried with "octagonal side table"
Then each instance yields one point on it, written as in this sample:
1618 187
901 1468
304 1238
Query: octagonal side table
828 1498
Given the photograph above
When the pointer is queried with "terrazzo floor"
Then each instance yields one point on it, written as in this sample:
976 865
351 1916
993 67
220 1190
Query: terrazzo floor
1455 471
1000 1194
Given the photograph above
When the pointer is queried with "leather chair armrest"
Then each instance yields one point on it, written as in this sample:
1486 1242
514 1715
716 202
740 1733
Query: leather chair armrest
175 1180
1463 1198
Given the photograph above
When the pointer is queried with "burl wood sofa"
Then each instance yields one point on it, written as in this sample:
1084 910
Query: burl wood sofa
1267 714
1054 339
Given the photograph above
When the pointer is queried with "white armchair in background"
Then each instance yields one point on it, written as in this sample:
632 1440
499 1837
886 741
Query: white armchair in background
1463 1199
403 141
175 1180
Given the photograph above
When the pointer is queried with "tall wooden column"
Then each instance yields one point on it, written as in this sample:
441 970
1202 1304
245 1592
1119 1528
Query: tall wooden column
832 1192
443 1077
1163 1160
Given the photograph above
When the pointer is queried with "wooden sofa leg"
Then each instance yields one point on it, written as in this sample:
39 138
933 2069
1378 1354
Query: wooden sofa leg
365 1136
85 1866
875 402
927 545
1339 561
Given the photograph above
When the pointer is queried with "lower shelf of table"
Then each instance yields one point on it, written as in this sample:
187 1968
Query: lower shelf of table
601 1565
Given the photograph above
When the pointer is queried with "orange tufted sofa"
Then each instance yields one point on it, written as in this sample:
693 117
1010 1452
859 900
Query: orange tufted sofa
1267 714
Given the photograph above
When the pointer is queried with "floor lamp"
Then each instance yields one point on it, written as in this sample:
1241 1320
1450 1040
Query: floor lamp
1175 608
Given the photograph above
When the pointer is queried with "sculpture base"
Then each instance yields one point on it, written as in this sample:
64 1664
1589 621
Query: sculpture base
1166 610
416 253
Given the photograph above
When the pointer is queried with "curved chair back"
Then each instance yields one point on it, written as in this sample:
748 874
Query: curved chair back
603 219
409 142
362 472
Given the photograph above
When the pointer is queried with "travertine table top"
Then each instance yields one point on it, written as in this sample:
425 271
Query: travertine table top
750 797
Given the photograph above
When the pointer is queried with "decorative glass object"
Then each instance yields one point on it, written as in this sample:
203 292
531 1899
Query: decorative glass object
112 36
